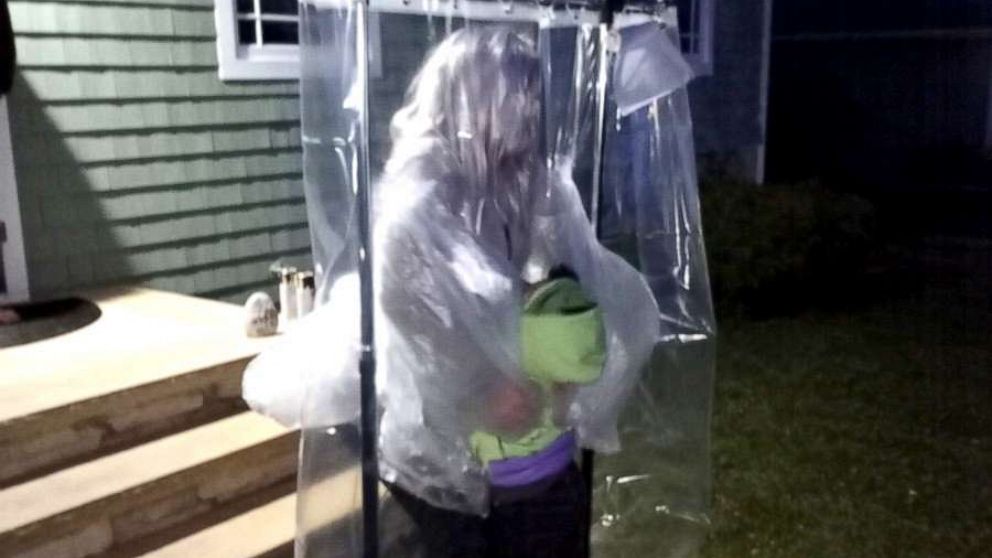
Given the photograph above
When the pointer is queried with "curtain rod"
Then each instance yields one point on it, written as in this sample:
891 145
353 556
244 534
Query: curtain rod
557 14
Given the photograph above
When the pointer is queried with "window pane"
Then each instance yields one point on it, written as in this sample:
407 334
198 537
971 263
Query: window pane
280 7
246 6
280 32
694 20
246 32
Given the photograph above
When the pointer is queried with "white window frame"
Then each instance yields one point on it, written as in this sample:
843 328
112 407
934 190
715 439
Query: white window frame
270 62
988 116
766 64
15 269
238 62
702 59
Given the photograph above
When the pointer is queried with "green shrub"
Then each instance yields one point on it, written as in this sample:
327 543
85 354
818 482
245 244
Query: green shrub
775 247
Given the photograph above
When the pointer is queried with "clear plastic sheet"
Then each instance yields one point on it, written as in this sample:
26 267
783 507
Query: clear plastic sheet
329 498
473 202
653 498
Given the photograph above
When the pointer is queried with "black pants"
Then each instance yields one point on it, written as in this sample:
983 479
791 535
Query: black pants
550 523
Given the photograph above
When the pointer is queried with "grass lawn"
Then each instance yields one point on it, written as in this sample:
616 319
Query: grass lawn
858 433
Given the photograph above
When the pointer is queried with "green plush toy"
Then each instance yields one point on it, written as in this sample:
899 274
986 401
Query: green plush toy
562 345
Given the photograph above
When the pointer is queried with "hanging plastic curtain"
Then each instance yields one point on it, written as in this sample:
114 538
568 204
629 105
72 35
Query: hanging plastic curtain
538 269
660 482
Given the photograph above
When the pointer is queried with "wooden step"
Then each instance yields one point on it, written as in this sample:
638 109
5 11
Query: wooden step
106 504
153 364
265 531
268 531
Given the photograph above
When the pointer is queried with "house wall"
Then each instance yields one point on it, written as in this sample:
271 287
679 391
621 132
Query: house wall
136 164
857 16
13 277
873 96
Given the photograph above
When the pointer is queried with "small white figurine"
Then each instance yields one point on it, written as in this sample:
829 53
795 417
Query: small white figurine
261 316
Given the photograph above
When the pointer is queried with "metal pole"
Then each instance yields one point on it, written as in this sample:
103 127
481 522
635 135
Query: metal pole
600 152
609 9
366 365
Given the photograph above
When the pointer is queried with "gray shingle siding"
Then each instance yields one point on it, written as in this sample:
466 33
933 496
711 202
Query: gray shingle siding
136 164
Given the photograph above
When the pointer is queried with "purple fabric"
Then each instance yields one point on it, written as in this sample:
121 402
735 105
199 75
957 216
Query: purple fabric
521 471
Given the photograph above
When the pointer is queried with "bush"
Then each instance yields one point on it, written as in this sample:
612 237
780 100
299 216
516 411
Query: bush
775 247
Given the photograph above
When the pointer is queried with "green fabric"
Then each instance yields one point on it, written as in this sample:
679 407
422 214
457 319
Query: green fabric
490 447
562 341
562 335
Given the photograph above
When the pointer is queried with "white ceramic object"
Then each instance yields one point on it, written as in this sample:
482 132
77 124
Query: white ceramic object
287 295
261 316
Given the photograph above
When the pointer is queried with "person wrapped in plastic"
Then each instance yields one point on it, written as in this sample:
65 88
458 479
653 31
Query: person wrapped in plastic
508 337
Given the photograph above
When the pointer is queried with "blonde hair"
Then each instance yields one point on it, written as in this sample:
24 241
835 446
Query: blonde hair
471 120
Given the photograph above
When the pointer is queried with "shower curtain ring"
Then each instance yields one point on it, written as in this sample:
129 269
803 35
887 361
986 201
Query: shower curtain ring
659 11
573 10
507 6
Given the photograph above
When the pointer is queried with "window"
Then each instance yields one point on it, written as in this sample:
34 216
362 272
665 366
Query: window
268 22
258 39
696 28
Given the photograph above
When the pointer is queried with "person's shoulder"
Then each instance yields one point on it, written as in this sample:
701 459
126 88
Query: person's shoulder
402 201
408 216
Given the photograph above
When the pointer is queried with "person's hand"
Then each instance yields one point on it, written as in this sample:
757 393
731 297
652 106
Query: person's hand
512 409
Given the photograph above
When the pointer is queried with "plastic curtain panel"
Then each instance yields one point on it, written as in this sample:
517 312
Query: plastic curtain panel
329 500
652 475
660 483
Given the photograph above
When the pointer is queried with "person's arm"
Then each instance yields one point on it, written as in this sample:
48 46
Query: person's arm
453 310
308 377
563 236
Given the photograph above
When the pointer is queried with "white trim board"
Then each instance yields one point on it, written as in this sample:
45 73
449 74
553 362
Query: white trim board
766 61
15 264
988 114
